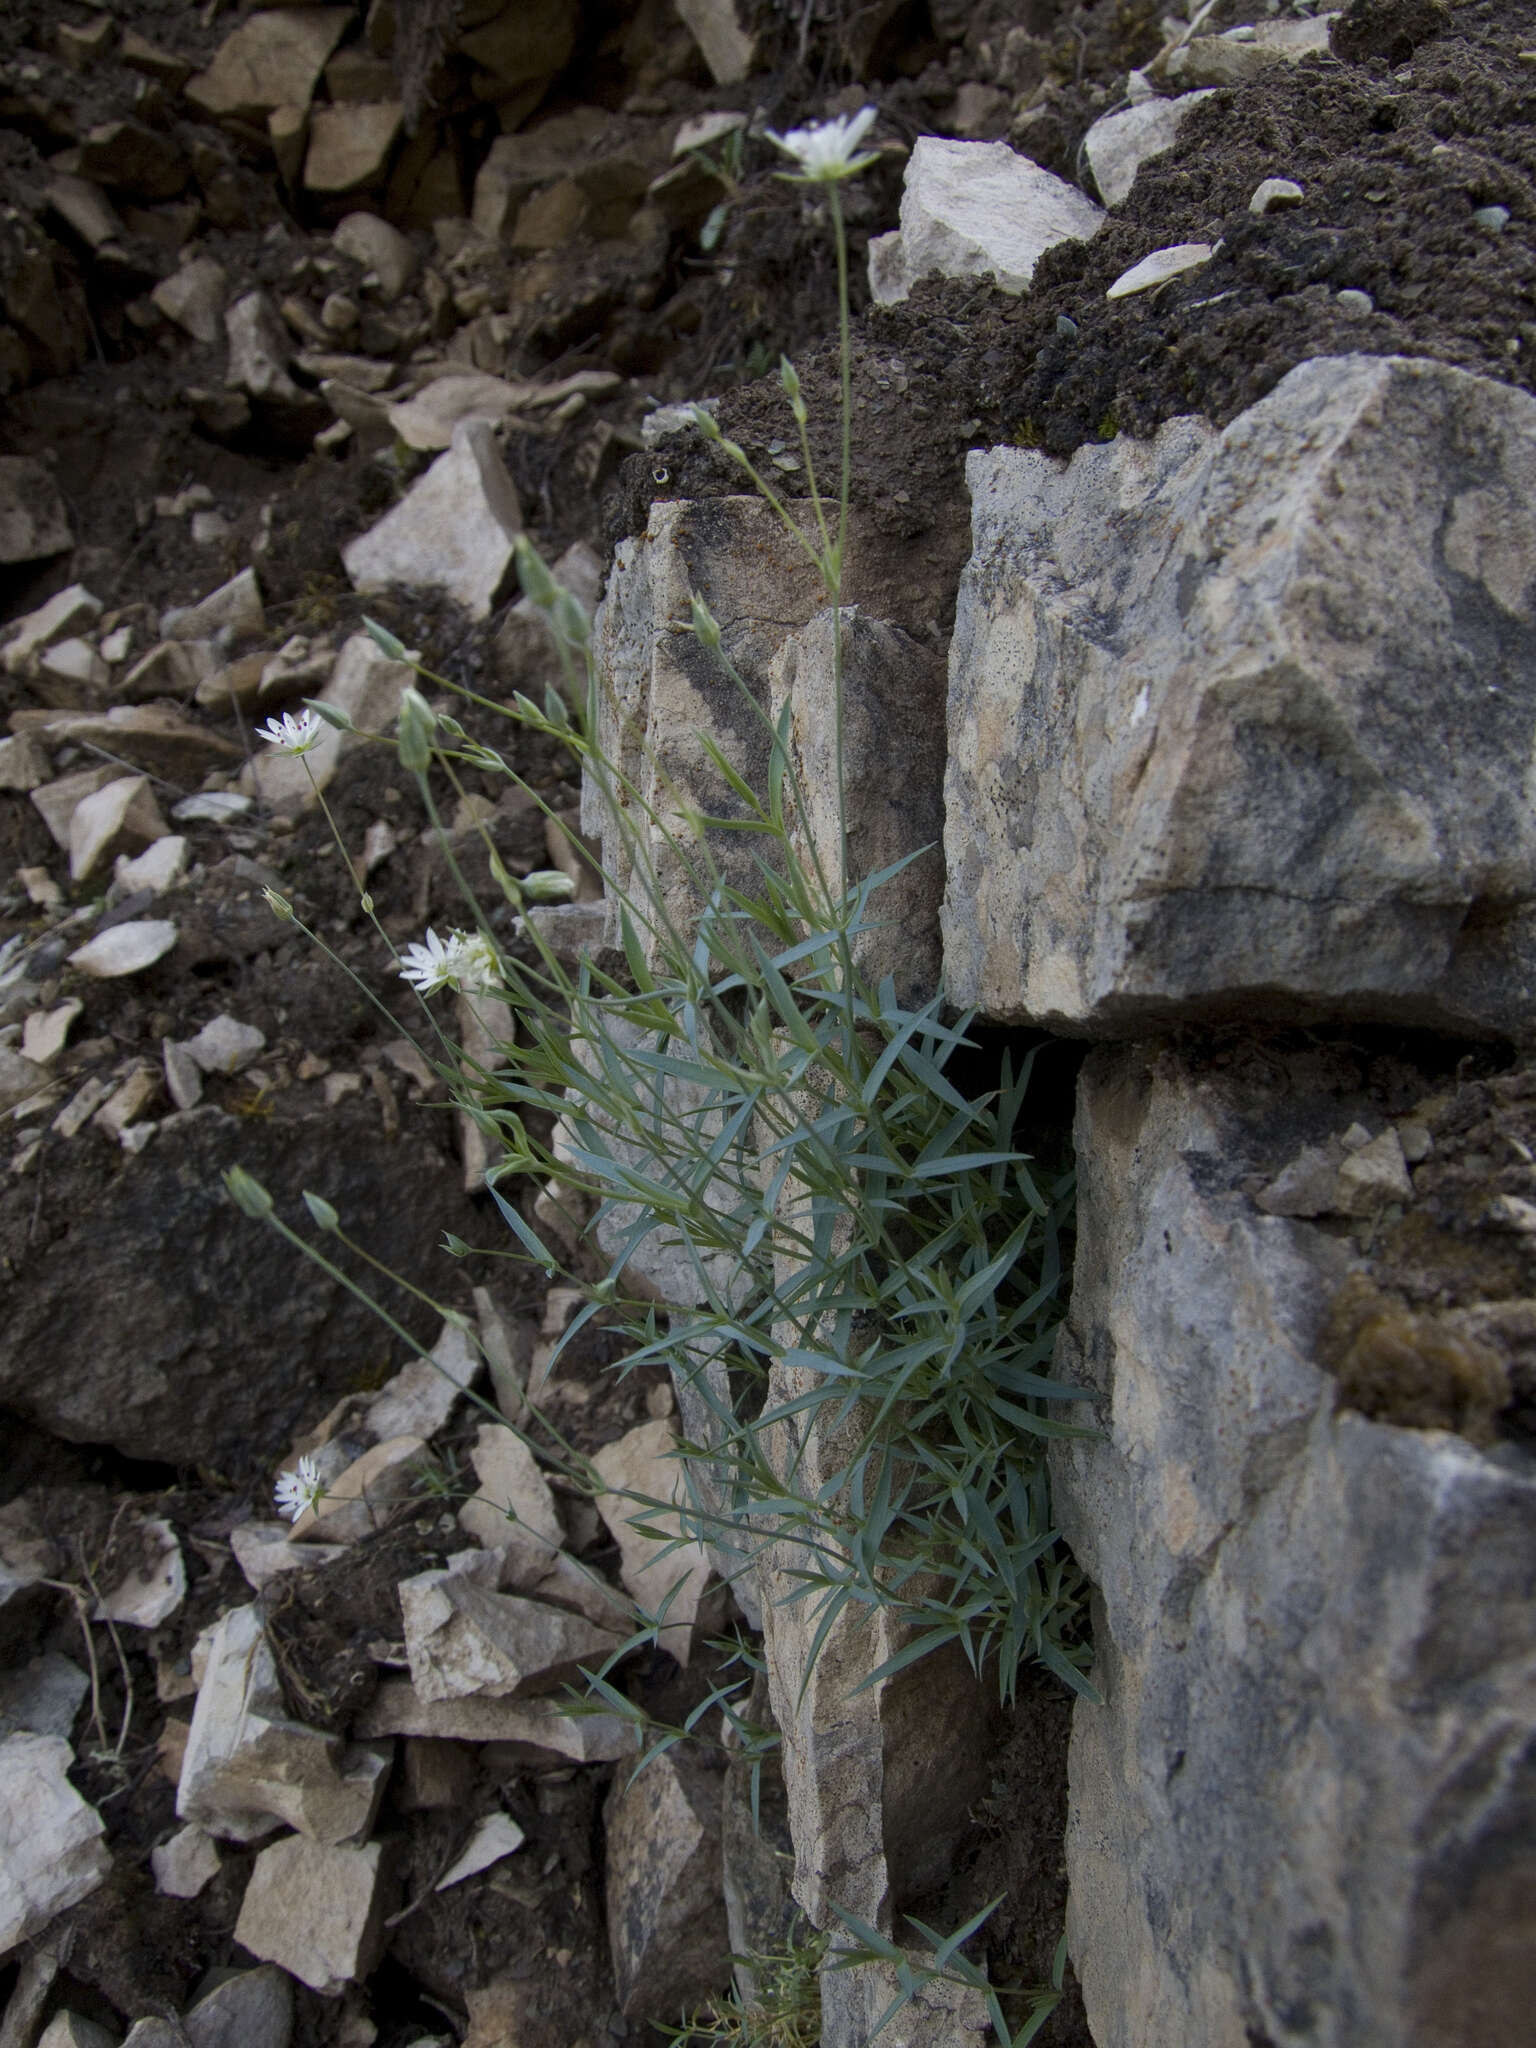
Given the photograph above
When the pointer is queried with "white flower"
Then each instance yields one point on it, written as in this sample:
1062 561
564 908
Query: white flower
292 735
297 1491
825 151
464 960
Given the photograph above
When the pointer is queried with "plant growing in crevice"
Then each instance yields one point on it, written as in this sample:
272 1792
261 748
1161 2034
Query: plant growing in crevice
876 1265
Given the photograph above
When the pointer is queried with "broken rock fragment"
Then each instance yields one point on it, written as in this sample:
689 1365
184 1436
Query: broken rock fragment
463 1638
125 948
184 1864
452 532
512 1492
976 209
248 1766
317 1911
666 1911
639 1468
273 59
34 522
51 1849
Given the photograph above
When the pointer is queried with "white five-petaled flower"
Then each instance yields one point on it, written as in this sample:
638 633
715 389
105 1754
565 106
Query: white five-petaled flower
292 735
825 151
465 961
297 1491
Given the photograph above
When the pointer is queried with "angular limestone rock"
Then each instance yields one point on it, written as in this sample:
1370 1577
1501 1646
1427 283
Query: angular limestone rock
1199 693
452 531
421 1396
248 1766
640 1468
976 209
1244 52
34 521
1314 1631
273 59
194 298
21 1079
157 1584
125 948
70 611
186 1863
153 737
666 1913
225 1045
1117 145
537 1725
119 815
462 1638
252 2009
663 687
511 1493
42 1697
363 1496
725 42
893 772
51 1850
317 1911
350 146
232 612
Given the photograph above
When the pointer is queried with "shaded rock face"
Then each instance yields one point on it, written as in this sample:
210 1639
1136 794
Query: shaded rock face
1305 1812
1240 724
164 1325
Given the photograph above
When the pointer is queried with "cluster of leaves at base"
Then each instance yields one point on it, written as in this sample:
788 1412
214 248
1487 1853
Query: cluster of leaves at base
783 2012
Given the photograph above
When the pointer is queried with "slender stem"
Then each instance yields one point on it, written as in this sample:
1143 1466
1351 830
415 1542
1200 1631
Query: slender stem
845 350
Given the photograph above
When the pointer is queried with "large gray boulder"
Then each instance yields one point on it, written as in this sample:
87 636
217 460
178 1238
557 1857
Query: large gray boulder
1305 1812
147 1313
1241 723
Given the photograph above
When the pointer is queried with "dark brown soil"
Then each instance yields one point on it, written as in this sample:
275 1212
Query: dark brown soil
1393 165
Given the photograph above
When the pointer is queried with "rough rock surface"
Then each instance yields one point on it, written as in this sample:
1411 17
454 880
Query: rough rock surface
976 209
51 1848
452 531
1303 1814
180 1287
666 1912
1242 722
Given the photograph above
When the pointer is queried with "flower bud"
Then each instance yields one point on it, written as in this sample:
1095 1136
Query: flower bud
548 885
413 733
706 626
706 423
322 1211
279 905
247 1193
539 587
385 641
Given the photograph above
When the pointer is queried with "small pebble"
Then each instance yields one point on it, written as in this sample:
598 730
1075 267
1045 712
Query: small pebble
1158 268
1351 301
1494 218
1066 327
1274 194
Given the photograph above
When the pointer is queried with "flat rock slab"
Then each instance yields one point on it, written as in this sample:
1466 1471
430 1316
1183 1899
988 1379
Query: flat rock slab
1303 1814
1238 728
318 1912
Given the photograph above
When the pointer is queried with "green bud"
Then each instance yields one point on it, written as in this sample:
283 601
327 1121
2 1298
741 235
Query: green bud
706 626
331 713
413 733
548 885
706 423
279 905
247 1193
569 620
322 1211
385 641
366 899
455 1247
539 587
